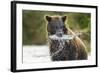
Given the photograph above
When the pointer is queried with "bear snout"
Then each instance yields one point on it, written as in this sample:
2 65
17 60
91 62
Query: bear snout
59 34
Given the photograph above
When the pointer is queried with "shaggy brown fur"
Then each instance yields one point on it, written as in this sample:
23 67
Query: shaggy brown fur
72 50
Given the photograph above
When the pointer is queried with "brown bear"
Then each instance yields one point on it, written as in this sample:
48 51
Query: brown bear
73 49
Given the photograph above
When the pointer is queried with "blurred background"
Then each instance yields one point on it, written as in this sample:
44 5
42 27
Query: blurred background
34 26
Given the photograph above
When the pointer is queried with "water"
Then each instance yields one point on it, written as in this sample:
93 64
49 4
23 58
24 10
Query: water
38 54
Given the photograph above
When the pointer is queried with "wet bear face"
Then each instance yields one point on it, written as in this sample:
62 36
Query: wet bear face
56 25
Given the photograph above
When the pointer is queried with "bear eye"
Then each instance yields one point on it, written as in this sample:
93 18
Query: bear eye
62 26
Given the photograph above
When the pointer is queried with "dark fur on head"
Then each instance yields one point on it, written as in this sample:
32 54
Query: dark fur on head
56 25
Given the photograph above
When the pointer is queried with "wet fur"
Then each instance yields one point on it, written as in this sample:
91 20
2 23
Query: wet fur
73 50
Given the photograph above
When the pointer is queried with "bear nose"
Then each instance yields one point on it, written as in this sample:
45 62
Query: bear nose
59 34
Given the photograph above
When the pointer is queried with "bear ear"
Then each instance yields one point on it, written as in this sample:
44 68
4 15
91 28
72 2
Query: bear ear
64 18
48 18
